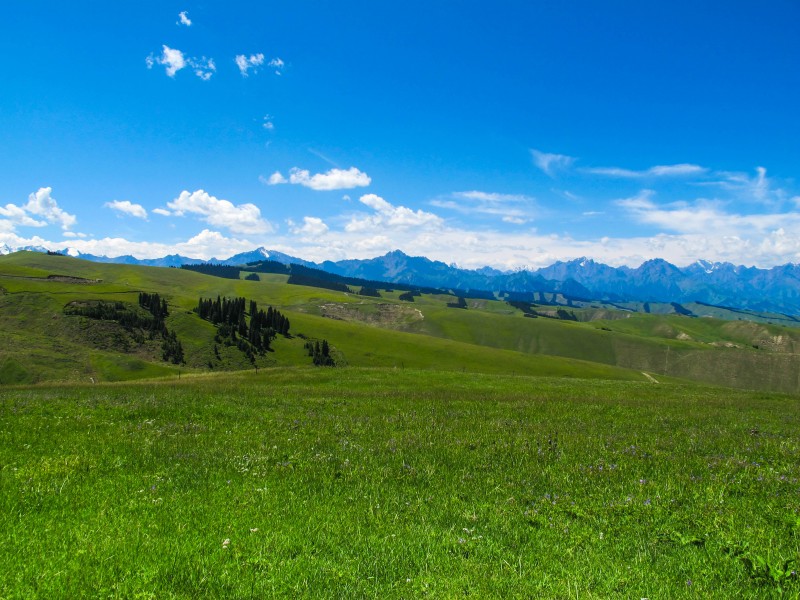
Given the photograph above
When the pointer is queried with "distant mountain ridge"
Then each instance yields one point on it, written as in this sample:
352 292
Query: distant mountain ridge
722 284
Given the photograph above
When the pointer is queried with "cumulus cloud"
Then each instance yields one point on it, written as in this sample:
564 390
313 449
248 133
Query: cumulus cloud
162 211
551 163
241 218
174 60
16 215
246 63
183 19
679 170
387 215
128 208
312 227
267 123
335 179
40 204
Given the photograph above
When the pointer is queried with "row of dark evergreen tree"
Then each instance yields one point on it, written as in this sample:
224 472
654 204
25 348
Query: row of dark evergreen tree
224 271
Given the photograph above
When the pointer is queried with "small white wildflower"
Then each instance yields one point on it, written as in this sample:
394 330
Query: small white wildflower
225 543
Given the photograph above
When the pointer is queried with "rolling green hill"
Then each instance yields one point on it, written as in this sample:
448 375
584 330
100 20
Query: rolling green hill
44 343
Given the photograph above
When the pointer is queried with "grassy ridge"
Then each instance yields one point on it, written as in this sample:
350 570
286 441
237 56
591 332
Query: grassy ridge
390 483
489 336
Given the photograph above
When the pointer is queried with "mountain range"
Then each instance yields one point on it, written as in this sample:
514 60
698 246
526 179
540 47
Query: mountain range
721 284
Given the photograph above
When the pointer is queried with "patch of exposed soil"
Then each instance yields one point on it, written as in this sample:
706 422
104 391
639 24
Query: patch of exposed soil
382 315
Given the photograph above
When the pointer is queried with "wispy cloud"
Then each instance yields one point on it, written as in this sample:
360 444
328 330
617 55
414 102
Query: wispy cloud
203 67
703 217
277 64
679 170
334 179
267 123
245 63
510 208
238 218
126 207
183 19
550 163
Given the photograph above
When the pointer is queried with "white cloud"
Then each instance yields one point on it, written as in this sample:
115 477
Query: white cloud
128 208
679 170
704 217
551 163
163 212
334 179
41 204
275 179
277 64
268 124
183 19
18 216
492 197
174 60
170 58
758 188
203 67
510 208
312 226
246 63
389 216
241 218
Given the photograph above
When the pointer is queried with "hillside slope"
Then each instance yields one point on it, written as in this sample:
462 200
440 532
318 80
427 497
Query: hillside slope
46 343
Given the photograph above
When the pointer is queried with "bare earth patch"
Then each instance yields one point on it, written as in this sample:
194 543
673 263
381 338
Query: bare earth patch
383 315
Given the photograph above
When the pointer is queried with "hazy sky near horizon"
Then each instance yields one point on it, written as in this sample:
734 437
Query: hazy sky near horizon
510 133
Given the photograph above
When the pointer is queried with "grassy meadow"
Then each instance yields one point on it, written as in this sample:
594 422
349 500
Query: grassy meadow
397 483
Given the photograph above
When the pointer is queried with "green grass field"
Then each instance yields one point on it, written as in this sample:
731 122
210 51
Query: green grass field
45 344
391 483
452 453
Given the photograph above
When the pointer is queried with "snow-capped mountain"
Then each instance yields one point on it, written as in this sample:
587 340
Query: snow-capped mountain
724 284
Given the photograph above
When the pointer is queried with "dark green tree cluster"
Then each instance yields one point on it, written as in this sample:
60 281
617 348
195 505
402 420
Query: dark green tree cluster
320 353
325 284
171 348
155 305
460 303
369 291
406 297
253 277
136 322
224 271
234 329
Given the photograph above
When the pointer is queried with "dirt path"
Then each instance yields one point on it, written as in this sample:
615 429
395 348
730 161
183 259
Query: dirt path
650 377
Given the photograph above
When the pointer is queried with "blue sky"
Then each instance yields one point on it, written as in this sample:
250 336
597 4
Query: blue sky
509 134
